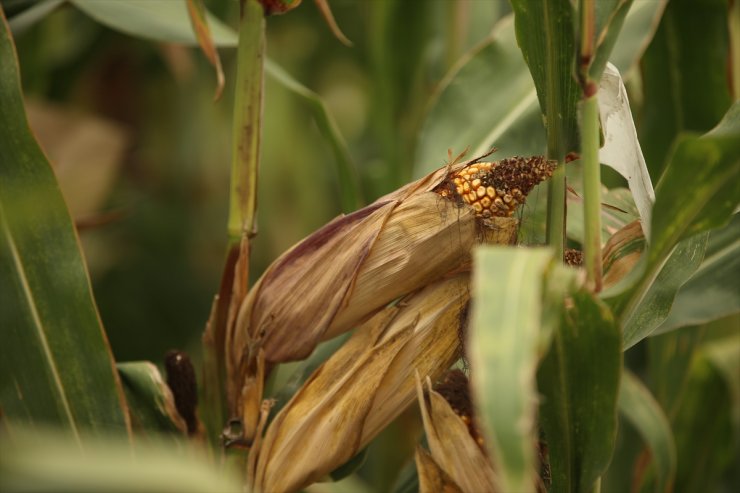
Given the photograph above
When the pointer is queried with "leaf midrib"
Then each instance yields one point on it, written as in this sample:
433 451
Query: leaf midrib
38 324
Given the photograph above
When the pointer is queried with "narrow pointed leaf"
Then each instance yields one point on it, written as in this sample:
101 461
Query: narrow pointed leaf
707 416
349 186
47 460
579 383
637 31
488 97
610 15
157 20
55 363
713 291
20 22
638 405
545 34
698 192
684 76
199 20
151 404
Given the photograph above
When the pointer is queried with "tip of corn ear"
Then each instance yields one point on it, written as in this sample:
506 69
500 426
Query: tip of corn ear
495 189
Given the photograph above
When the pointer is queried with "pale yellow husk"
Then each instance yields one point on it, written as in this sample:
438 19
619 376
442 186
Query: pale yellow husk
451 446
361 388
432 479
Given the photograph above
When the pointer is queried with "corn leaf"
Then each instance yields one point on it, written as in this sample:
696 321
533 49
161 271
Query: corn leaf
488 97
199 20
638 405
545 34
621 150
706 418
579 383
157 20
47 460
349 185
682 216
713 291
610 15
151 404
684 76
22 21
503 346
55 363
637 31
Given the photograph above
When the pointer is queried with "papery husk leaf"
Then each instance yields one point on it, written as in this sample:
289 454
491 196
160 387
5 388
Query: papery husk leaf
362 387
621 253
451 445
432 479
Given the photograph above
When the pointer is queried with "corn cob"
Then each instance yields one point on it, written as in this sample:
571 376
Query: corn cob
496 189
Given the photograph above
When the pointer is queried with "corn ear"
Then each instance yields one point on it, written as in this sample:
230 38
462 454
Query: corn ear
355 265
361 388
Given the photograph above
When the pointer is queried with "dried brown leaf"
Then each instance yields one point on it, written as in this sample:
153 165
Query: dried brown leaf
451 445
432 479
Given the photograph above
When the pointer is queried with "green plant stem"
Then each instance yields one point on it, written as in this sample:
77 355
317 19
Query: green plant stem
590 149
591 190
556 210
246 137
247 121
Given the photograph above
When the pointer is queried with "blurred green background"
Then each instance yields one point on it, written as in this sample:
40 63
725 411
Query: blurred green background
156 214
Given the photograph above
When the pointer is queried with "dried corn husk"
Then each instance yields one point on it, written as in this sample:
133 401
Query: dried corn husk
452 447
432 479
355 265
361 388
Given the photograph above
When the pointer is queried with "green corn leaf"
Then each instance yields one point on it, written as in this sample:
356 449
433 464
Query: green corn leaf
156 20
517 302
42 459
640 408
488 97
713 291
349 185
684 76
698 192
545 34
55 363
150 400
579 383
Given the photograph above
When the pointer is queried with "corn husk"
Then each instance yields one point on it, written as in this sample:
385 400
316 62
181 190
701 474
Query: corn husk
361 388
432 479
451 445
354 266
